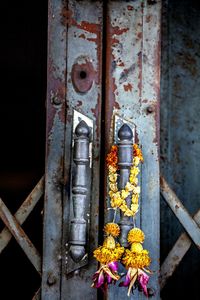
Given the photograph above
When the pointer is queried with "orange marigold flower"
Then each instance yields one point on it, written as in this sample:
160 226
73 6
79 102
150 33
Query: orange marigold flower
112 157
137 152
136 235
112 228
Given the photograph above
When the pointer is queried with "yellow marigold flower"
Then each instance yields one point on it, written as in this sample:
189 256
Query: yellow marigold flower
134 171
112 228
136 260
112 169
116 195
105 255
111 193
137 152
113 187
136 190
109 242
129 187
124 194
136 235
128 212
113 177
116 202
134 207
136 161
136 247
133 180
135 198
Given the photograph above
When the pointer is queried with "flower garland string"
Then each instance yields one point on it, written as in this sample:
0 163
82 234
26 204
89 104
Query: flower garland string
135 259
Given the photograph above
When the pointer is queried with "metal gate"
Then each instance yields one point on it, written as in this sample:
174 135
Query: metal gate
103 68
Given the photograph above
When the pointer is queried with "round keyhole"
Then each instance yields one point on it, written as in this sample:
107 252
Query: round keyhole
83 74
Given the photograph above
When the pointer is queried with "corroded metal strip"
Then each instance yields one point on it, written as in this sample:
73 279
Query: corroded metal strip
55 133
23 212
132 77
125 158
84 48
180 212
176 254
20 236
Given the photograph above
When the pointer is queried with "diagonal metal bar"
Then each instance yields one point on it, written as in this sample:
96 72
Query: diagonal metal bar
176 254
23 212
37 295
20 236
181 213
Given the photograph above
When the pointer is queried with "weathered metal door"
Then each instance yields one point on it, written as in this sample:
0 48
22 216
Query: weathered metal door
103 70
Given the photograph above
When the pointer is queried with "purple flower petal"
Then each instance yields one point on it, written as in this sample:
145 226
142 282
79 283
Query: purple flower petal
109 279
98 279
127 279
143 279
113 266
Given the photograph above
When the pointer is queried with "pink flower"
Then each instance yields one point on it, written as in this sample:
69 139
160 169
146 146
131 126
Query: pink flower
127 279
143 280
106 274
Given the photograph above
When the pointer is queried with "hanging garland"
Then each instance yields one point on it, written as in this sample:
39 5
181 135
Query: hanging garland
135 259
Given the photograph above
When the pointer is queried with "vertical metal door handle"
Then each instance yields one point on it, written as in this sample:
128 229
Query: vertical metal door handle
79 192
125 158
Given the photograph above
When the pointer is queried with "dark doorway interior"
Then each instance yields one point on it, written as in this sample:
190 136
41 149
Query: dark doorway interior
22 130
180 138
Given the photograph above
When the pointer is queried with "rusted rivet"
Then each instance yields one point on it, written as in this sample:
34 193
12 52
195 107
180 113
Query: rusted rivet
151 292
55 99
150 109
76 272
51 280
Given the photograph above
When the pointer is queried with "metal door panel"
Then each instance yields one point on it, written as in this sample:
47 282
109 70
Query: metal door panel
84 42
131 92
132 77
54 152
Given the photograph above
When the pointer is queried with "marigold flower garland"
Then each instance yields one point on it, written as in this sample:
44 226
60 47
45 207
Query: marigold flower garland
135 259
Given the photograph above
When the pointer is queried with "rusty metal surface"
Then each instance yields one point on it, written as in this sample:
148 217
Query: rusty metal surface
56 110
84 46
176 254
180 212
180 139
132 91
20 236
23 212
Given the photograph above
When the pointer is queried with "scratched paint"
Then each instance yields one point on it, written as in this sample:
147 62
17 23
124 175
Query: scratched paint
84 44
54 152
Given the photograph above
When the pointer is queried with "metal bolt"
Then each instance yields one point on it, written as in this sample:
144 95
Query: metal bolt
51 280
55 99
150 109
76 272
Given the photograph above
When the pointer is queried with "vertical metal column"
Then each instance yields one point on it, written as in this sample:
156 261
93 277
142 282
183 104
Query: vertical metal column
79 190
125 157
